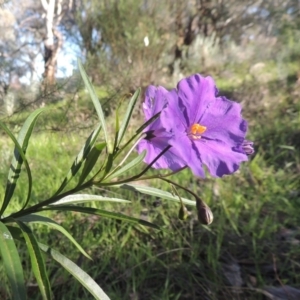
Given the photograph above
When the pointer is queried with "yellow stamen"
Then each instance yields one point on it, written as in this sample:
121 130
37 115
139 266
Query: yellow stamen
196 130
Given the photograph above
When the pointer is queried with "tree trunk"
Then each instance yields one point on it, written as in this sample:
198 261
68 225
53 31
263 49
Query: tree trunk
52 43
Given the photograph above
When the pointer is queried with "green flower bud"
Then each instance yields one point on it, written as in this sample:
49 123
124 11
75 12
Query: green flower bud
183 213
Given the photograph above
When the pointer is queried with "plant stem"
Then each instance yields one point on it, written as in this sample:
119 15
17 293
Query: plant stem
49 201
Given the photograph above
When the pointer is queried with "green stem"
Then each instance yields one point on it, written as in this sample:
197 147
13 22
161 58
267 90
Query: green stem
131 149
199 201
178 185
49 201
143 178
136 177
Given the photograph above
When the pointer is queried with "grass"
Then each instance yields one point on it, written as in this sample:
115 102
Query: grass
252 243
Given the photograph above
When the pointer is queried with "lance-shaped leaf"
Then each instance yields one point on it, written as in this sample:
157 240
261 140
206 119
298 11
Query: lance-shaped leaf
117 128
96 103
83 198
21 145
127 115
80 158
91 161
13 174
154 192
108 164
34 218
12 263
16 232
37 261
103 213
86 280
120 170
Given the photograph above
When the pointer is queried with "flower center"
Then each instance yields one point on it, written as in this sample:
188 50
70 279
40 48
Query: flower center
195 131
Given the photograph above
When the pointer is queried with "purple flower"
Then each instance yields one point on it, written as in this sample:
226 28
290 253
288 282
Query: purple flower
202 128
156 140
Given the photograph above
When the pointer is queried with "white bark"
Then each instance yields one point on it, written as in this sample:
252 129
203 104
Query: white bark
49 41
52 45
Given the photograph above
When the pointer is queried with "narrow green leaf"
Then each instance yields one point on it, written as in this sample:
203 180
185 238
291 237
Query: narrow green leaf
154 192
37 261
103 213
19 158
16 232
87 281
119 171
82 198
96 103
12 263
117 123
115 144
80 158
109 163
91 161
287 147
14 174
34 218
127 115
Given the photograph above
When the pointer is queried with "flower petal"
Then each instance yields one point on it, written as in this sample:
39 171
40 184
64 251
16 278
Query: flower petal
172 117
187 151
154 147
155 101
196 94
219 158
224 122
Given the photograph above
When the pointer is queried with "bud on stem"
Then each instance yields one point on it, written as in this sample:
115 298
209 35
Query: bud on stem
205 215
183 213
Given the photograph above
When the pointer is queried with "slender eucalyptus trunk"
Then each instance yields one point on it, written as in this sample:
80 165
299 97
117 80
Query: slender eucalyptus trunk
53 40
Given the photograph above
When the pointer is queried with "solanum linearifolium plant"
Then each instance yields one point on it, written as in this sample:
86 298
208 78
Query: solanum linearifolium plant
187 127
